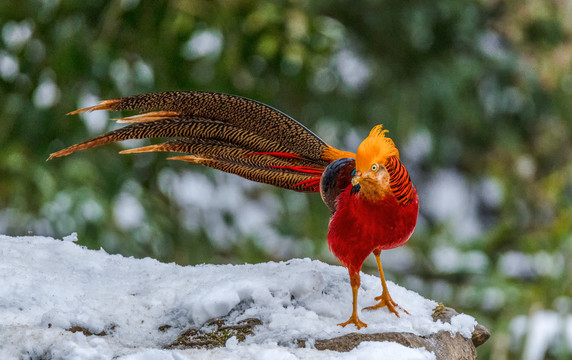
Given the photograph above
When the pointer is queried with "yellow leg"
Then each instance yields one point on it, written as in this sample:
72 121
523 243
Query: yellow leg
355 281
384 299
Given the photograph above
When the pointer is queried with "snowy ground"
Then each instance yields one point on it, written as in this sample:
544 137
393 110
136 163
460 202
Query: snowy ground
48 286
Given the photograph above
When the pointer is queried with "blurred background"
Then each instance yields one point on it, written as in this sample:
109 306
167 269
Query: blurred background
476 94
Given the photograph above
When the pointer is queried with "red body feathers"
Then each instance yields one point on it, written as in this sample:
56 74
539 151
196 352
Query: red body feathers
360 226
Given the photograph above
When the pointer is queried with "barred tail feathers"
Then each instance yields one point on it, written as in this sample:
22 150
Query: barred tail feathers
244 113
225 132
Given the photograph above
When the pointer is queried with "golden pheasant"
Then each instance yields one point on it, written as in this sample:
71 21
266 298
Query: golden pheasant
373 202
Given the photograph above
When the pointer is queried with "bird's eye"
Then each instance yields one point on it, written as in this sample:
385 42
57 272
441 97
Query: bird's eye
374 167
354 172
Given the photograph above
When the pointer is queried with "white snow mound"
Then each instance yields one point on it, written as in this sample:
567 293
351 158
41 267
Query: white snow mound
48 286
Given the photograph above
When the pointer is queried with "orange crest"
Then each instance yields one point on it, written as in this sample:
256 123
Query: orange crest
375 149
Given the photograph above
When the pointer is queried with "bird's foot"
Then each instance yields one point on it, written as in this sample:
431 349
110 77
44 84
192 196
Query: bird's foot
386 301
354 320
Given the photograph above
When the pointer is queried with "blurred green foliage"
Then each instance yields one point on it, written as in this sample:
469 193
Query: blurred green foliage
476 95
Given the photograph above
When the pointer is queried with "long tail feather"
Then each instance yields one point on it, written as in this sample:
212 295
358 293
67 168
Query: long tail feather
225 132
221 151
198 129
277 177
150 116
279 169
247 114
104 105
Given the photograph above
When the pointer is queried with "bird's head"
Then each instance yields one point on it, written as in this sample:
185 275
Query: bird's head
370 178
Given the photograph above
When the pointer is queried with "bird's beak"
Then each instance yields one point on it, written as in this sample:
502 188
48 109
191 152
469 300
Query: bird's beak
356 186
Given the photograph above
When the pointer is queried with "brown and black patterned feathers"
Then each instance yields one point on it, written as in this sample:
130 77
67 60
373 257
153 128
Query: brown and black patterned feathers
247 114
223 151
225 132
273 176
181 128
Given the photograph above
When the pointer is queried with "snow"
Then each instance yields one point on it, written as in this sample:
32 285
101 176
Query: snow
541 332
526 266
49 285
449 198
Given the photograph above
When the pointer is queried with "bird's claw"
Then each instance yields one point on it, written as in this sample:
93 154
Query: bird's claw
386 301
354 320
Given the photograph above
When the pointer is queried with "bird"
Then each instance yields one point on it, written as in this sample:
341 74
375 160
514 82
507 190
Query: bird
372 200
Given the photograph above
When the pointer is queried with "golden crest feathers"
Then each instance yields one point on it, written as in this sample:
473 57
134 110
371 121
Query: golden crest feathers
375 149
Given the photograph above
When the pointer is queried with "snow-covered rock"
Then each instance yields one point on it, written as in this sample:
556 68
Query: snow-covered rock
135 308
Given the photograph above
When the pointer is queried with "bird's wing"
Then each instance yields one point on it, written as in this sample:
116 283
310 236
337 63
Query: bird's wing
335 179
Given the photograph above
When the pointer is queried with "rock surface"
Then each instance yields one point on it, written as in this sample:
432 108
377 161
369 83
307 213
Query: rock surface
442 344
445 346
